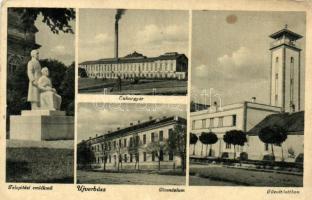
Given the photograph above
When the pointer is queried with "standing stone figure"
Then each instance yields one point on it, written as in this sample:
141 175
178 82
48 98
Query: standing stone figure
34 73
49 99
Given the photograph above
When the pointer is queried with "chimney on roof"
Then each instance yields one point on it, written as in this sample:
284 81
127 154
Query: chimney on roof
253 99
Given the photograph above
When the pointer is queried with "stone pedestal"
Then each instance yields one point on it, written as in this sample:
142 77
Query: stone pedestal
40 125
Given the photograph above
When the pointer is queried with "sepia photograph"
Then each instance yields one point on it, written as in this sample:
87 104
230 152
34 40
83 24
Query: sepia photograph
133 144
137 52
247 98
40 95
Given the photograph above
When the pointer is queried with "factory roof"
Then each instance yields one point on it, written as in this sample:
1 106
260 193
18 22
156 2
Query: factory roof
135 57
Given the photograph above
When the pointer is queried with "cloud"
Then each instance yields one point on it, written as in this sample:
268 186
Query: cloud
239 65
60 50
98 40
157 35
99 118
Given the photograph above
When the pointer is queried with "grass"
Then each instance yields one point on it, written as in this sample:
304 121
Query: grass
39 165
138 178
246 177
165 87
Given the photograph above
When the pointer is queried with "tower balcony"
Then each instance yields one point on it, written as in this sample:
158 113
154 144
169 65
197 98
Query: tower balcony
285 41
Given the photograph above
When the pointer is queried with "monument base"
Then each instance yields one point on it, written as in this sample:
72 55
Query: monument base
40 125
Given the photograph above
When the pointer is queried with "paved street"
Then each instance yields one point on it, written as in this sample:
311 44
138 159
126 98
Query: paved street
128 178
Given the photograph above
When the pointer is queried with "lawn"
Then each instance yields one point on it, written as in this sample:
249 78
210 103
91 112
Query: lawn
243 177
40 162
160 87
142 178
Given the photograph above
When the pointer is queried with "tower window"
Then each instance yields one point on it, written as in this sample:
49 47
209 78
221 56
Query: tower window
276 59
292 60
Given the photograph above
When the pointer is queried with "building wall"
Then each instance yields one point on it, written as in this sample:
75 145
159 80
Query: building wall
149 163
257 149
247 115
280 77
149 69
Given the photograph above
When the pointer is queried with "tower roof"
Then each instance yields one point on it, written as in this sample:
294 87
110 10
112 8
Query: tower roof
288 33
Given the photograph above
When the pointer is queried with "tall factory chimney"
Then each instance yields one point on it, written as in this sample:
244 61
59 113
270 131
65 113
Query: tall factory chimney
118 15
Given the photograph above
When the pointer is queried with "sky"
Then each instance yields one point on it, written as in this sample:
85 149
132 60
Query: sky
99 118
150 32
230 53
57 46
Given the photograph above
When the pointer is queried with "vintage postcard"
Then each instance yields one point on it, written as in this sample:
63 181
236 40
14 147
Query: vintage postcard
156 99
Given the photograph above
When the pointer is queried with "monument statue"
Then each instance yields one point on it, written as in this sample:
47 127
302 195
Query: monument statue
34 73
45 120
49 99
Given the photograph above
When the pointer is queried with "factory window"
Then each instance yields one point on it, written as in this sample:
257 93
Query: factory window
125 142
114 144
228 146
152 137
234 120
131 157
125 157
109 158
144 156
144 139
161 135
153 156
119 143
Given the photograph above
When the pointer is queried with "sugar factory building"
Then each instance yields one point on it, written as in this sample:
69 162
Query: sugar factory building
129 145
170 65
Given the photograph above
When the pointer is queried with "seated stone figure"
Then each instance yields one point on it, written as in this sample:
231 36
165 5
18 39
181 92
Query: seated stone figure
49 99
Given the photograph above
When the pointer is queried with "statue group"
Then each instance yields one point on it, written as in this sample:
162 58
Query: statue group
41 94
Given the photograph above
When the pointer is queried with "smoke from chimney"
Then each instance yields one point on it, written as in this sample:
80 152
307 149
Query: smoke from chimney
118 16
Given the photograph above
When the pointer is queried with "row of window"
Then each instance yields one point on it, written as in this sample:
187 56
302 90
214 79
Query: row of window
218 122
130 67
134 157
133 75
133 141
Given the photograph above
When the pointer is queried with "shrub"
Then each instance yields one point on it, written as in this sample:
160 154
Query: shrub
299 158
243 156
268 157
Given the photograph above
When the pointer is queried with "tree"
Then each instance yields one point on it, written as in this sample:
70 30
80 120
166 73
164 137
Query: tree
134 149
273 135
82 72
235 137
157 148
177 143
209 138
85 156
67 90
57 19
193 140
